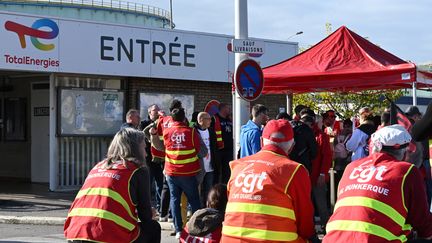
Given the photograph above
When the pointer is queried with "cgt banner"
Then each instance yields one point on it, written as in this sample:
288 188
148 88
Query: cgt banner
38 43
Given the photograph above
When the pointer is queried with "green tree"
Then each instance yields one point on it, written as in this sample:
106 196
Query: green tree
346 105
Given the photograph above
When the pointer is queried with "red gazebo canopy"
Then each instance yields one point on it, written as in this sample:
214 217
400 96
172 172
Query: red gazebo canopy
342 62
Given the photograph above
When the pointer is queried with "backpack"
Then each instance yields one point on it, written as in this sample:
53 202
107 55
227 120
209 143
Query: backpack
339 149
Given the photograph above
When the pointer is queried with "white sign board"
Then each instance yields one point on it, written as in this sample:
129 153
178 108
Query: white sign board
38 43
247 46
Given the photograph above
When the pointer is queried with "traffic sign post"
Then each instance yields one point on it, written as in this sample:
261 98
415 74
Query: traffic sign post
241 107
249 80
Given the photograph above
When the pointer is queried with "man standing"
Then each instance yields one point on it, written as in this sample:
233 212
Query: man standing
381 198
269 194
209 162
332 127
182 145
132 119
320 167
250 133
224 134
415 116
305 147
155 158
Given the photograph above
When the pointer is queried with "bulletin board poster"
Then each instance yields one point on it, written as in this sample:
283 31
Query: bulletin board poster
163 100
85 112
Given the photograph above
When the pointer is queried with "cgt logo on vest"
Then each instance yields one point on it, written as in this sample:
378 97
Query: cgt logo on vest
248 180
178 138
34 33
366 173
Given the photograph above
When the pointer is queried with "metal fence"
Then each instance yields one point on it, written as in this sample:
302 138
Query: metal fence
77 155
109 4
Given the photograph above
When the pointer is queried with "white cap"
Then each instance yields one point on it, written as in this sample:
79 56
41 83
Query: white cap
391 136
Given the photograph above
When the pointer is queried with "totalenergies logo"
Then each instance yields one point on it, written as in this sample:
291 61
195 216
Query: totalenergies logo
34 33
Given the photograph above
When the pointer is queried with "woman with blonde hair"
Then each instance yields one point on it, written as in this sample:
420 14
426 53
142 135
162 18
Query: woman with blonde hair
115 194
358 144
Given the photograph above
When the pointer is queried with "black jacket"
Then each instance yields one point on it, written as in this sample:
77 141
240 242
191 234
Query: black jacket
305 147
141 127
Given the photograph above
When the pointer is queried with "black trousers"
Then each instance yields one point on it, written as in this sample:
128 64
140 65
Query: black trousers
225 172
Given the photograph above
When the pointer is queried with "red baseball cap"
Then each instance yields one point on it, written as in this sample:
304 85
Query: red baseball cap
282 126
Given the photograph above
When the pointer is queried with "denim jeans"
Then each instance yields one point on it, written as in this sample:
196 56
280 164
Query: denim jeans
177 185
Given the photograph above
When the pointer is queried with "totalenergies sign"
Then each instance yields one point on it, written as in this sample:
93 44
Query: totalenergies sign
35 33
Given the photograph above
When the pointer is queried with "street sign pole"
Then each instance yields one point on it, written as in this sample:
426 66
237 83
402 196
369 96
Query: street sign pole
241 107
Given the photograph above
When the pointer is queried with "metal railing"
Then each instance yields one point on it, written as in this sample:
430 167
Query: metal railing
106 4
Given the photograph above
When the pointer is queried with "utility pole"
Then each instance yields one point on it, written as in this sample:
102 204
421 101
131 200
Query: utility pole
241 107
171 16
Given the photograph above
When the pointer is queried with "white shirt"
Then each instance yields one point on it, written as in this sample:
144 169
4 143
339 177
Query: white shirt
356 144
205 136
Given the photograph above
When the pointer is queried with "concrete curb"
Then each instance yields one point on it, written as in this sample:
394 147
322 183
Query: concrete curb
32 220
52 221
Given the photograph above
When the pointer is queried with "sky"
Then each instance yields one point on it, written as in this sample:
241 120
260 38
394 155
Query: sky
399 26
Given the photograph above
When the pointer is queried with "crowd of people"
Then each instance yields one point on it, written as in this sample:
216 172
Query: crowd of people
167 168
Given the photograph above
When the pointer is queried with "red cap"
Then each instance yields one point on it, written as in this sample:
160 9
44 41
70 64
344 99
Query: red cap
282 126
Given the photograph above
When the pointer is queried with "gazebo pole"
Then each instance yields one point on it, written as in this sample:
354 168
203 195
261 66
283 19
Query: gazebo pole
414 93
289 103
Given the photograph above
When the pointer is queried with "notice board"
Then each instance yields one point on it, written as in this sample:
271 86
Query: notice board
89 112
163 100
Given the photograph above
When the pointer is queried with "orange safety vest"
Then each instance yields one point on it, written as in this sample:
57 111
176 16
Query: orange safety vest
103 210
157 153
259 208
218 131
371 205
180 154
163 123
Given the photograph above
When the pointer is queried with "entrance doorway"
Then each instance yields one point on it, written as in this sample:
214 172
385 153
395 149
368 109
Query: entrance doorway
40 132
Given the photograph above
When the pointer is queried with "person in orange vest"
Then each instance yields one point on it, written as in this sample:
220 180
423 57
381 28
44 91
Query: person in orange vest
166 121
115 194
380 197
182 145
223 128
269 195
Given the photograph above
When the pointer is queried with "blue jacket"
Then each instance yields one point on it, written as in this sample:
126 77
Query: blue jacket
250 139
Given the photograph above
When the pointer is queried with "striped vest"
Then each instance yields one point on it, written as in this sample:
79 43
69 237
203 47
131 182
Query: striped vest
371 205
103 210
180 155
259 208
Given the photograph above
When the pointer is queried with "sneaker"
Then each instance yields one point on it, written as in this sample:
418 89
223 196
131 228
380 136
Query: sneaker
163 219
170 220
177 235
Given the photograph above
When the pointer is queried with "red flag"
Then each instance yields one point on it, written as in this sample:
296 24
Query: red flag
397 116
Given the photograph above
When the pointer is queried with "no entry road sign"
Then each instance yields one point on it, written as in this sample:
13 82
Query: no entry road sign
249 80
212 107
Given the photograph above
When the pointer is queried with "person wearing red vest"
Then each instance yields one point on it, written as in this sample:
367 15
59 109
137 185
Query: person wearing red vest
380 197
332 127
223 128
115 194
269 195
182 146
